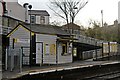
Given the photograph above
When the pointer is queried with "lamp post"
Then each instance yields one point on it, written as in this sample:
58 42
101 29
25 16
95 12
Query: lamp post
73 16
72 10
102 17
30 59
118 34
105 30
118 50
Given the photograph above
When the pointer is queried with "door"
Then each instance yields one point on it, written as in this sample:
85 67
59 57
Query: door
39 53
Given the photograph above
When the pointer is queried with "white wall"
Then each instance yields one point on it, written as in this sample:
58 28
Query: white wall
22 36
1 11
47 39
119 12
23 40
15 10
1 8
63 58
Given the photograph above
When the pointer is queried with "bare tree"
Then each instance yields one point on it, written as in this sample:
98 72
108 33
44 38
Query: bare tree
67 9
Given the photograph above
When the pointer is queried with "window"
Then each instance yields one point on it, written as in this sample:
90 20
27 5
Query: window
33 19
74 51
64 48
70 48
76 31
42 19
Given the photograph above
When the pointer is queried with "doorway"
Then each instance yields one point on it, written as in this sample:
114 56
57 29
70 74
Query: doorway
39 53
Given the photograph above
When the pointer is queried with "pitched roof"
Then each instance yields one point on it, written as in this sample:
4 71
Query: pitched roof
43 29
39 12
71 25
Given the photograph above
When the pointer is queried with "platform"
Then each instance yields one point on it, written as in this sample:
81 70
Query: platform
52 68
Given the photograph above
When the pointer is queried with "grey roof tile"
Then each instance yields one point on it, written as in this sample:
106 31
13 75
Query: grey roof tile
39 12
46 29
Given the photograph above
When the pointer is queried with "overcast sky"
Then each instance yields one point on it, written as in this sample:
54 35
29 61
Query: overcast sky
91 11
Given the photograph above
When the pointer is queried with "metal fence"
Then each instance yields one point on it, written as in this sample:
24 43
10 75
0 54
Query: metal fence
118 49
99 53
88 54
16 58
26 54
85 39
13 59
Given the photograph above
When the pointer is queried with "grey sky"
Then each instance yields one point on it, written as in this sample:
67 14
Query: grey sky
91 11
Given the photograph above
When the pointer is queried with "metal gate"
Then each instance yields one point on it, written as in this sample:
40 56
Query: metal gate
16 58
26 55
13 59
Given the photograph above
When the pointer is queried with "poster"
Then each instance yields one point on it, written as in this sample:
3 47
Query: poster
47 48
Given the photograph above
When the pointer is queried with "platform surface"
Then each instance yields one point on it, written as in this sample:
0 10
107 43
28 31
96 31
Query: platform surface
52 68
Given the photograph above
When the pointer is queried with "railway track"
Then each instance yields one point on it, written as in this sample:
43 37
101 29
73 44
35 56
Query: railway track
107 76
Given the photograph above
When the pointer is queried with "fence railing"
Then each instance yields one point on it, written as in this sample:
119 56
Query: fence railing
13 59
87 40
4 29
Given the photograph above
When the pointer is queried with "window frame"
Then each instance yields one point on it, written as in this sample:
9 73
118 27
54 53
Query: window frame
33 19
42 19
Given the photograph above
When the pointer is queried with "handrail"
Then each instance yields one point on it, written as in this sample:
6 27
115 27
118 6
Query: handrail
88 40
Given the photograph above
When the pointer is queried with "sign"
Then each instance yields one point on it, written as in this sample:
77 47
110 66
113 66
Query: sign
105 48
22 41
70 49
113 47
47 49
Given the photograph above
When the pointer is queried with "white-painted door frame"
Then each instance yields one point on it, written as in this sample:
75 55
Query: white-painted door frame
39 52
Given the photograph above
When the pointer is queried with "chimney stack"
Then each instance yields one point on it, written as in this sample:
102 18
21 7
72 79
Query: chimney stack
116 23
25 5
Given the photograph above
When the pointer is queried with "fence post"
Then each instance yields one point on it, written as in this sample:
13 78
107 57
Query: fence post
118 49
21 52
96 54
109 50
102 50
12 59
6 58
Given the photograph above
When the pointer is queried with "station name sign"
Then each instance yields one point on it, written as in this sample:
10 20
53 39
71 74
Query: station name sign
22 40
